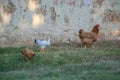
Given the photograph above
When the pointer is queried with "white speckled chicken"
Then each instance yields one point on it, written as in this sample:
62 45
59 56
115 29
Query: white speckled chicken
42 43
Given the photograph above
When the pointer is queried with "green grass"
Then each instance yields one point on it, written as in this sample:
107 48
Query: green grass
62 62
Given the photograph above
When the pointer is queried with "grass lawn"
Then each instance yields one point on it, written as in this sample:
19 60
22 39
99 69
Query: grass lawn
63 62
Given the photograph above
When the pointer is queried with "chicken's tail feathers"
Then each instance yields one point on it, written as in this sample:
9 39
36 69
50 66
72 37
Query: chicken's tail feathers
96 28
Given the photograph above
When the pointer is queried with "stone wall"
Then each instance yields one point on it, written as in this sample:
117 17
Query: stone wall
21 21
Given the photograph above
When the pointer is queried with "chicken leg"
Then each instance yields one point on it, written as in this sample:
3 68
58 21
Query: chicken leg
42 50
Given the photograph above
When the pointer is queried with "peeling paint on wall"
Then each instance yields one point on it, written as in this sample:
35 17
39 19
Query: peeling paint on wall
66 19
111 16
97 2
10 8
87 2
53 13
37 20
116 32
43 10
32 5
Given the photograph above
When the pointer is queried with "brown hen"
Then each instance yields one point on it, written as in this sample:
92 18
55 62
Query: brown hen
28 53
88 38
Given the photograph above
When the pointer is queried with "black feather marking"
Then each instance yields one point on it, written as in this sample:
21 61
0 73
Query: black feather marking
35 41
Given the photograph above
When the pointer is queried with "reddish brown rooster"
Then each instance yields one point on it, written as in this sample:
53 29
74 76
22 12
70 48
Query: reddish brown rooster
28 53
88 38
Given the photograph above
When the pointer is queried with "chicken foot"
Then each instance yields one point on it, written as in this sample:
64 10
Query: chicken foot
42 50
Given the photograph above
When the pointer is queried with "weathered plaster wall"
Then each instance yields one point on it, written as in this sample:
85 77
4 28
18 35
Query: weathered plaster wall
23 20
